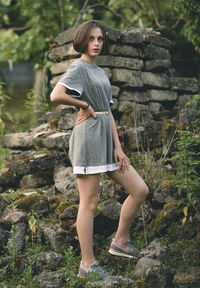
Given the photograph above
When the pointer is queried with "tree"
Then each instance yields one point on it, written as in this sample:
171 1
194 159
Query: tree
29 26
190 10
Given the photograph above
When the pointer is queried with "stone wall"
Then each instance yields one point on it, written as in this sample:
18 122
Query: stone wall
145 91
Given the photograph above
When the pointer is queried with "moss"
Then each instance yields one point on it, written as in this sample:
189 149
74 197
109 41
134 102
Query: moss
26 202
171 210
55 201
168 128
62 206
161 115
54 123
140 283
190 279
168 185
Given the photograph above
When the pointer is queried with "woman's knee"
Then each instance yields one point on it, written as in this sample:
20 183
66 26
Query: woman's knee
90 204
141 191
144 190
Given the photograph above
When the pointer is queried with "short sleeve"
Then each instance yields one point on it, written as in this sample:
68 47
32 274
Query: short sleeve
111 101
72 81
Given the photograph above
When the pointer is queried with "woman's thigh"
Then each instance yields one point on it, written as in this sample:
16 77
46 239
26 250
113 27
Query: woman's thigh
131 181
88 186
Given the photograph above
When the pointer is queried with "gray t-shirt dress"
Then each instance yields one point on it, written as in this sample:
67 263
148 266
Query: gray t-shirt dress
91 143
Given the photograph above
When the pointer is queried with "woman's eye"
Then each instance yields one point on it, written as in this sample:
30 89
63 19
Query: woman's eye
91 38
100 38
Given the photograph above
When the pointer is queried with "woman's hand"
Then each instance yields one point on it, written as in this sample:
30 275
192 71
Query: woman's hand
121 159
85 114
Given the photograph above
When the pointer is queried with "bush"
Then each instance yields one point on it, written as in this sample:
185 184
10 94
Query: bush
187 156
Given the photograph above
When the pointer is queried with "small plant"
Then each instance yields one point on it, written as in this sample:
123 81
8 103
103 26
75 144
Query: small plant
32 226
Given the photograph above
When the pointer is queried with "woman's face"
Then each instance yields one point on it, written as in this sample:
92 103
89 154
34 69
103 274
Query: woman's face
95 43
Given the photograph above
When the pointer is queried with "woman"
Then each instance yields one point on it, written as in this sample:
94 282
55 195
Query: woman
94 146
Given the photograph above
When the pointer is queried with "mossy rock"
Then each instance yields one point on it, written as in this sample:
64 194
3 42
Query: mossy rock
190 279
170 212
36 202
69 213
169 186
140 283
54 123
168 129
62 206
55 201
164 114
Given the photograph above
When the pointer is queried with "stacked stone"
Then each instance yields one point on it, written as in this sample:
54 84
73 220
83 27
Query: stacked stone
138 64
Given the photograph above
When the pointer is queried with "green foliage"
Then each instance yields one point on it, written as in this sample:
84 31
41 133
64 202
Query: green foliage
29 26
3 97
187 157
190 10
21 122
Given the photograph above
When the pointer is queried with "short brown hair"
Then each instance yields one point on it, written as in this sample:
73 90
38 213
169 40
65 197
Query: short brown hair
82 35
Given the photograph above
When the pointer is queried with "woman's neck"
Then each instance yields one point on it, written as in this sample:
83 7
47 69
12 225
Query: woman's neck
87 58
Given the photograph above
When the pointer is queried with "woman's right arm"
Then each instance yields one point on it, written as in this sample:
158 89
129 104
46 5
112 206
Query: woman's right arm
59 95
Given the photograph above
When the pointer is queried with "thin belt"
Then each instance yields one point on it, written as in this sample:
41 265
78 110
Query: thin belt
102 112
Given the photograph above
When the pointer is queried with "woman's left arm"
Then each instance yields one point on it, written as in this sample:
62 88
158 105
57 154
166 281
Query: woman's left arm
120 157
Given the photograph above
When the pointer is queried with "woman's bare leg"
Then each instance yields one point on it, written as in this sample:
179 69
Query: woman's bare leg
88 186
138 191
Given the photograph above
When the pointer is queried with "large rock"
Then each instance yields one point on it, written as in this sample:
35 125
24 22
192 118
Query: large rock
162 95
134 96
65 183
3 203
17 240
155 80
63 118
34 162
170 212
36 180
154 52
52 140
62 52
55 279
8 178
156 250
61 67
113 281
58 238
135 138
123 106
22 140
120 62
123 50
157 64
34 202
4 236
13 216
110 209
65 37
107 217
48 261
185 84
154 273
127 78
144 35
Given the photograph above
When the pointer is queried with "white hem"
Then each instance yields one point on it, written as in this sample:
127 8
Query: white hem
95 169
